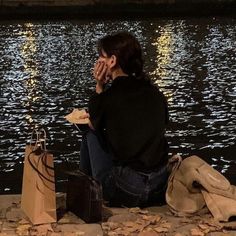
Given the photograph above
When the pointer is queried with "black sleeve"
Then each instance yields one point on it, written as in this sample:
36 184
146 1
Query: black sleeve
165 104
96 111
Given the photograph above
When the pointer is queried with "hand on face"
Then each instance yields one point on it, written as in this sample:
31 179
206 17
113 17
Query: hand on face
100 72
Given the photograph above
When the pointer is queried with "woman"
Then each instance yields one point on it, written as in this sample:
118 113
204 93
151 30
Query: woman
126 149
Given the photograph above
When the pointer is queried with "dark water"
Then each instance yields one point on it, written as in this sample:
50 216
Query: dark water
45 71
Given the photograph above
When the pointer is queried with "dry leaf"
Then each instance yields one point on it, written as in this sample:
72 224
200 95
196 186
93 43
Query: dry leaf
23 229
110 225
153 218
196 232
24 222
138 228
80 233
140 221
148 234
112 233
186 220
166 225
137 210
134 210
42 229
161 229
129 230
203 226
213 223
157 218
129 224
144 212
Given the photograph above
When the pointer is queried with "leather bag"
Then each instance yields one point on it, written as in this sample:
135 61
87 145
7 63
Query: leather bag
84 197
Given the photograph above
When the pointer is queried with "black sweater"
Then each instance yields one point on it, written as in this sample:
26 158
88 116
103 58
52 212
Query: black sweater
132 115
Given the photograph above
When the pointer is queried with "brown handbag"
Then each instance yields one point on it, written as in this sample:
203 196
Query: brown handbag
84 196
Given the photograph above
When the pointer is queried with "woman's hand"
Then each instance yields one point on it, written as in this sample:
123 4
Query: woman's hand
100 75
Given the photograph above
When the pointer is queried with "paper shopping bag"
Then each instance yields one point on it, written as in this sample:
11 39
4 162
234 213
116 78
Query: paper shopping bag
38 199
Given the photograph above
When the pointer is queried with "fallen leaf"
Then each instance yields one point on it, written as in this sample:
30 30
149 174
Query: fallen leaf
161 229
213 223
24 222
80 233
134 210
23 229
148 234
152 218
196 232
129 224
203 226
137 210
42 229
144 212
178 234
185 220
112 233
110 225
166 225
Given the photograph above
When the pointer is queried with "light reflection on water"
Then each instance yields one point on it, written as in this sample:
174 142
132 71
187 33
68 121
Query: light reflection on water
45 71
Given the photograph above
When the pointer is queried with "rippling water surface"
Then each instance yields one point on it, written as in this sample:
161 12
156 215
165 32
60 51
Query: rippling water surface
45 71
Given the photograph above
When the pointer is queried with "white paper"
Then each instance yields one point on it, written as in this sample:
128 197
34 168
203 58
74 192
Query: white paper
76 117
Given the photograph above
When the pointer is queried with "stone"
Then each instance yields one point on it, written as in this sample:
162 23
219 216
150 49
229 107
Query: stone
83 229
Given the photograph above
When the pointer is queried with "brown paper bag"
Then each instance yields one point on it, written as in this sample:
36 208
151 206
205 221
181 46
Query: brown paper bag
38 199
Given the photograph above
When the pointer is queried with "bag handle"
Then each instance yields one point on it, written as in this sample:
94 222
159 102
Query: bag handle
38 146
40 141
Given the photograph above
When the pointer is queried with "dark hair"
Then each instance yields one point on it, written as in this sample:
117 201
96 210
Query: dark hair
127 50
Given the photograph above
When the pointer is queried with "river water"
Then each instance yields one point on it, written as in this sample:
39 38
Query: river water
45 72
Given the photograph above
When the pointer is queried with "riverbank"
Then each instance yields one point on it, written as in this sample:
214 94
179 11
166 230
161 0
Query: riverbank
152 221
14 9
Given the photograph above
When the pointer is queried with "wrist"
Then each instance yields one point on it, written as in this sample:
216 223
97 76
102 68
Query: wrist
99 87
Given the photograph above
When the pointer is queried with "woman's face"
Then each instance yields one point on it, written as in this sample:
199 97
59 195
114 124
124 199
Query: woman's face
107 61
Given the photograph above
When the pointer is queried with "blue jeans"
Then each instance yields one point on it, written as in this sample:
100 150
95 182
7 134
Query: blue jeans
122 186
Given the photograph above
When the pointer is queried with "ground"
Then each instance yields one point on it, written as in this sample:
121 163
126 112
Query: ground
152 221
